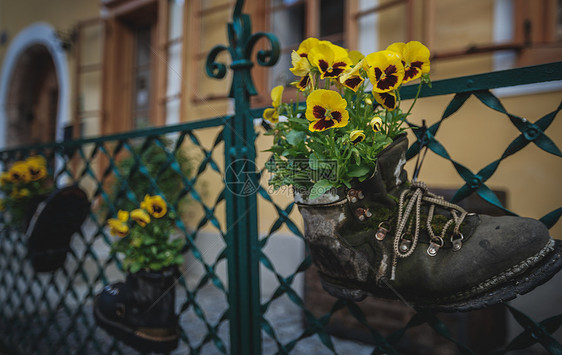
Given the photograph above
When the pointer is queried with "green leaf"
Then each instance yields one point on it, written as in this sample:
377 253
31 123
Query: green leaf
358 170
135 266
155 266
320 188
178 259
295 137
177 243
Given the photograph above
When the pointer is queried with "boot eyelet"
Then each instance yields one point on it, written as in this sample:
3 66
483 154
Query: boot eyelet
363 213
405 246
434 247
355 195
382 230
457 243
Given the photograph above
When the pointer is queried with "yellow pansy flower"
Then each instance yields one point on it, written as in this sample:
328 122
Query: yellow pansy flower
386 99
37 160
376 123
272 114
37 168
357 136
307 45
415 58
154 205
19 173
303 83
5 178
123 216
352 78
140 216
355 56
326 109
331 60
301 67
117 227
385 70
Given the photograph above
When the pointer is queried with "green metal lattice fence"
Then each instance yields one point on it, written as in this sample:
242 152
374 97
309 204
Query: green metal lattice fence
220 301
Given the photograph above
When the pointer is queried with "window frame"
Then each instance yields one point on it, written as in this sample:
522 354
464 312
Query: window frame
117 80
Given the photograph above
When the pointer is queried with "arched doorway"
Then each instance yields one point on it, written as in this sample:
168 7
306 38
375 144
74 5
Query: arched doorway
32 98
34 88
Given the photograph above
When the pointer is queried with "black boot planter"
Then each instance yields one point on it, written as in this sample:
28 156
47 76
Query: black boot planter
140 312
394 239
51 226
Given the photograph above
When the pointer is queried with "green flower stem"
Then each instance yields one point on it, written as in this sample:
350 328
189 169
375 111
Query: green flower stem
415 99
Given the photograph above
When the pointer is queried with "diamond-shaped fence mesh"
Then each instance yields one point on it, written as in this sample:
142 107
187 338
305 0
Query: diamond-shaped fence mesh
52 312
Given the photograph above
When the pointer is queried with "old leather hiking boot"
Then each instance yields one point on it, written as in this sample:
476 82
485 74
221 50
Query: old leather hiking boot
52 225
140 312
394 239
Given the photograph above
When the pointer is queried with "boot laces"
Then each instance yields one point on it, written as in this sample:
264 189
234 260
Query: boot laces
415 196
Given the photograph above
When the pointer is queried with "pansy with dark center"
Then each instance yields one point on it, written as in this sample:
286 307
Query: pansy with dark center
386 99
307 45
385 70
36 166
331 60
301 67
326 109
19 173
303 83
154 205
376 123
140 216
357 136
118 226
414 57
352 78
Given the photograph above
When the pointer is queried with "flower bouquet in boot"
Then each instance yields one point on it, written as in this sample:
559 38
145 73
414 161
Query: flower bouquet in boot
49 216
140 311
369 229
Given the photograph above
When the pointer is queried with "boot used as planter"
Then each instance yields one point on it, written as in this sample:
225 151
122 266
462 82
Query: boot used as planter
140 312
395 239
51 225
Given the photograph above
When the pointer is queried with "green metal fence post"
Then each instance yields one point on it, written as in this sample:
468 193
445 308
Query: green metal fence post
242 182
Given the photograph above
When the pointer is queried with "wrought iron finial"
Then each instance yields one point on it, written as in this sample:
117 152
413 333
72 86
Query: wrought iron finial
242 43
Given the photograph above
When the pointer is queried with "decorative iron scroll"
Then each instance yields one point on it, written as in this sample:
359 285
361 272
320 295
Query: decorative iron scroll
242 44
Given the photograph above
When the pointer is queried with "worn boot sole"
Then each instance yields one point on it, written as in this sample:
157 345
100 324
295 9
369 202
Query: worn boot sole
521 284
139 339
52 225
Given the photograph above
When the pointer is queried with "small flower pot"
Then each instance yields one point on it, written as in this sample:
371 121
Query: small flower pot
51 225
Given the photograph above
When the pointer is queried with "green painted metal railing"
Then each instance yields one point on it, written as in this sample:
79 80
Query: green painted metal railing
223 312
